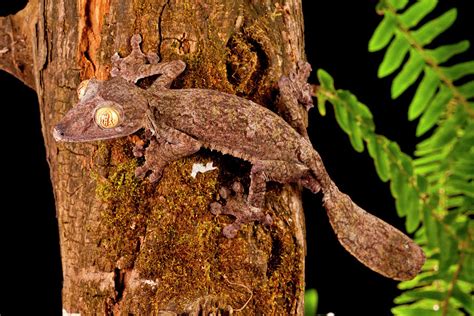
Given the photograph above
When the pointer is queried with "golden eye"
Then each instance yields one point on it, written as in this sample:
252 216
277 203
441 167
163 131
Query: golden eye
81 89
107 117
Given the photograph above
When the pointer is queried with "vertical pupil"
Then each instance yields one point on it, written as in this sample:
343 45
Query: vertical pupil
106 119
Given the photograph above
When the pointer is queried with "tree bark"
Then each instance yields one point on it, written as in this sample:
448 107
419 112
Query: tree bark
131 247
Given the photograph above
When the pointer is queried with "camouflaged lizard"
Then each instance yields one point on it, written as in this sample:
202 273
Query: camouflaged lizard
178 122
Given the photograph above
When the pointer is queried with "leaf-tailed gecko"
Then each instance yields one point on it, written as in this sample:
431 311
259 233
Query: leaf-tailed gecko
178 122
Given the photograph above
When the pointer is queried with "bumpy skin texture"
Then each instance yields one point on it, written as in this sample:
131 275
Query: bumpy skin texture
179 122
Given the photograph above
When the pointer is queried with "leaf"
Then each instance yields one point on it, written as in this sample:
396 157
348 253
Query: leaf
411 311
380 157
467 272
448 251
434 295
467 89
429 159
412 211
382 34
408 75
322 105
399 4
310 302
416 12
465 299
399 189
341 114
464 187
394 56
325 79
431 227
403 160
356 136
354 129
363 111
424 93
460 70
444 53
428 32
435 108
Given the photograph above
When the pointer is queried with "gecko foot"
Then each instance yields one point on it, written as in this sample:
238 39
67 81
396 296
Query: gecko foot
153 165
236 205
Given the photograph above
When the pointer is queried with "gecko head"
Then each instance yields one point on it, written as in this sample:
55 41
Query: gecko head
106 109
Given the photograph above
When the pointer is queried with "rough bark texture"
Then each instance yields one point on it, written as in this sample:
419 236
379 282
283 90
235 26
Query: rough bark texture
131 247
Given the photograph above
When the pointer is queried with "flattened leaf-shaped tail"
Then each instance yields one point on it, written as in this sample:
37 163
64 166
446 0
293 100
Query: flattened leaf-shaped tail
375 243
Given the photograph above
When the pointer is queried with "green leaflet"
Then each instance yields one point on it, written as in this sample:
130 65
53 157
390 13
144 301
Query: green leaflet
444 53
310 302
461 187
435 108
465 299
383 34
431 228
376 151
399 4
408 75
394 56
460 70
322 105
412 210
325 79
448 253
467 90
353 126
417 293
405 310
424 93
467 272
341 115
428 32
416 12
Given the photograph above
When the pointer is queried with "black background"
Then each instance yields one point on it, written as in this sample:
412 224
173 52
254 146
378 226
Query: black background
337 34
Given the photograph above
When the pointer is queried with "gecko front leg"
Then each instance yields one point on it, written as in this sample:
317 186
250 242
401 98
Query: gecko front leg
166 146
138 66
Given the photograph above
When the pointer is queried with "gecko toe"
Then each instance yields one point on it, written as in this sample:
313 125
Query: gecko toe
216 208
230 231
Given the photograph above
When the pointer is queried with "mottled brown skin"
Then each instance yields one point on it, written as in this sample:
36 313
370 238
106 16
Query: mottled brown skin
180 122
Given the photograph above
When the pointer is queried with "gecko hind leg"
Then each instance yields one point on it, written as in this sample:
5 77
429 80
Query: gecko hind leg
250 209
273 170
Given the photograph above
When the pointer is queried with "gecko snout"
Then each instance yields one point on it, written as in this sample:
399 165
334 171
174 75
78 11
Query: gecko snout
58 132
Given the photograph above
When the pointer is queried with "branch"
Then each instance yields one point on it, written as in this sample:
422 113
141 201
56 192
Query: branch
17 33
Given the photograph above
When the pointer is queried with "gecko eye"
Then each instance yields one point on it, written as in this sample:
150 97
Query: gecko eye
107 117
81 89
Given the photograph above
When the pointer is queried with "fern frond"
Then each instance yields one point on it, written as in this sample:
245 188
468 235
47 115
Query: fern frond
433 192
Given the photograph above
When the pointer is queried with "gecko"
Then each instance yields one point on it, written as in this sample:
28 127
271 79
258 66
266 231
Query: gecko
179 122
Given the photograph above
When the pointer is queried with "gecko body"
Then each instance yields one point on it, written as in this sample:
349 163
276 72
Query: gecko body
180 122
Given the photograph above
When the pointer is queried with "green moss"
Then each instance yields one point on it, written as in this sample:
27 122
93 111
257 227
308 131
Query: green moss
121 183
181 233
123 217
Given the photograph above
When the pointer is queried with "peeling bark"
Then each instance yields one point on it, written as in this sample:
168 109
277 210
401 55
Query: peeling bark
131 247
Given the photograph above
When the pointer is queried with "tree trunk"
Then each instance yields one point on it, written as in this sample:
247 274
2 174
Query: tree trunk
128 246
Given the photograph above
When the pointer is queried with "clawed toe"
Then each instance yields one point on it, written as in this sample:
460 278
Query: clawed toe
236 205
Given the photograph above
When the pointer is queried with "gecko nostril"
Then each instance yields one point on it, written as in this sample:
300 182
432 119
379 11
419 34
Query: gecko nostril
58 132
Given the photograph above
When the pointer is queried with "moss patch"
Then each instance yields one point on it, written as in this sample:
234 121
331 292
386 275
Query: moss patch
122 220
